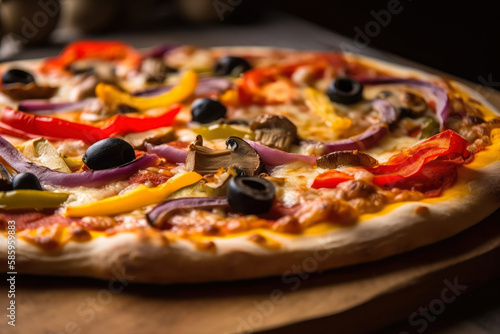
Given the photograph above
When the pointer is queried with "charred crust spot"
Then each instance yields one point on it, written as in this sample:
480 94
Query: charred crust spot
80 234
207 245
422 211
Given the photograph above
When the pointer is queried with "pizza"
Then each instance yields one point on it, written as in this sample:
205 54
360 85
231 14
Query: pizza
187 164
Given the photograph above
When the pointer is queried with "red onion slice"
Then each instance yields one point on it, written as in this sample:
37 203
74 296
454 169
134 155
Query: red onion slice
205 86
385 109
442 100
274 157
154 216
168 152
365 140
85 179
159 51
41 107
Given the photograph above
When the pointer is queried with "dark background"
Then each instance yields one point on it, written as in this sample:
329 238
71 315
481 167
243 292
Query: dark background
461 38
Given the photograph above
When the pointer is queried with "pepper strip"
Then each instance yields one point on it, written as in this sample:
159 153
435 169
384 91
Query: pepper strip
104 50
134 199
253 87
319 102
429 166
113 97
29 126
31 199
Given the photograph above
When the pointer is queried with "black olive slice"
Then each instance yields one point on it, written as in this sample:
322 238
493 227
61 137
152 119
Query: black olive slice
251 194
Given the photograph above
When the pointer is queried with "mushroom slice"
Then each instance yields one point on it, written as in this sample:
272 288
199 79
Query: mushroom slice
19 91
239 155
274 131
155 136
407 104
345 159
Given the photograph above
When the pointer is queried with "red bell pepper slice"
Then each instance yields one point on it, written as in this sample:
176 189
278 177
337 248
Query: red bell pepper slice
251 89
104 50
429 166
26 125
330 179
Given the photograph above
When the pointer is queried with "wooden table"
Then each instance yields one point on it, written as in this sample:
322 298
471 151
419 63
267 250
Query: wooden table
356 299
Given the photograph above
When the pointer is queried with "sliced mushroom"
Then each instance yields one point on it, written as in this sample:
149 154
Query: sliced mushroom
84 84
345 159
95 111
5 179
407 104
43 153
239 155
155 70
155 137
20 91
274 131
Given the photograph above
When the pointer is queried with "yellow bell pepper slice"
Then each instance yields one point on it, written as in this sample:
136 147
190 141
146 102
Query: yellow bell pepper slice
31 199
223 131
134 199
321 104
113 97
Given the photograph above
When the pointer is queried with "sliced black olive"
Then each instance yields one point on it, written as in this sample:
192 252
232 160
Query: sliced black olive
345 91
251 195
207 110
5 179
231 66
108 153
17 76
26 181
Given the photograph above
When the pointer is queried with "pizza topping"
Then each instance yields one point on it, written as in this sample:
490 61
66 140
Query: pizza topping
43 153
321 104
167 151
370 137
26 181
386 110
439 94
19 91
231 66
16 160
104 50
207 110
108 153
251 195
428 167
31 199
134 199
345 91
46 106
274 157
160 215
56 128
154 136
239 155
222 131
155 70
17 76
5 179
274 131
342 159
206 86
113 97
430 128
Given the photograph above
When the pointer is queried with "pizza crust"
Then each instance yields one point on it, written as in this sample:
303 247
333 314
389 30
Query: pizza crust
148 257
